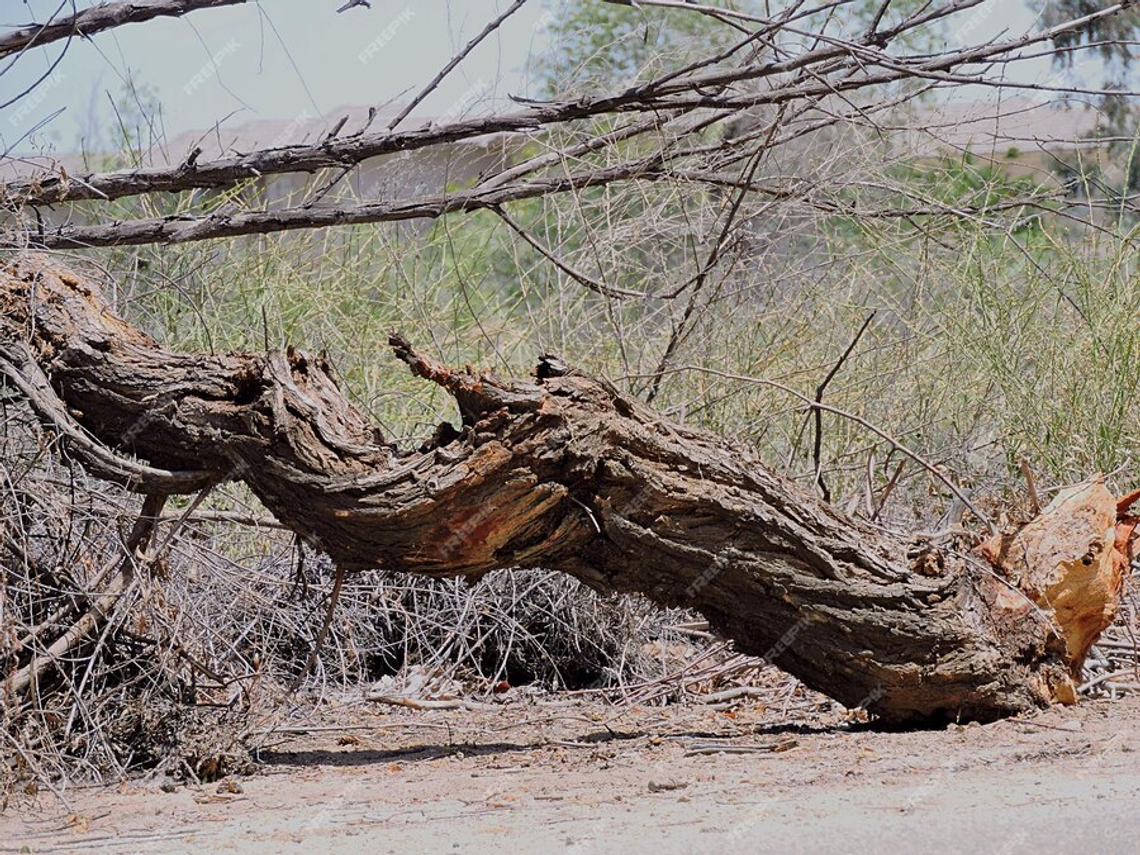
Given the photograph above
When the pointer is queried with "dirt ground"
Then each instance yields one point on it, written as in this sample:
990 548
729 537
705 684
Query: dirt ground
576 776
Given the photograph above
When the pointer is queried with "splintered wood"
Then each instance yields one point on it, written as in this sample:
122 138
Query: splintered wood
1069 562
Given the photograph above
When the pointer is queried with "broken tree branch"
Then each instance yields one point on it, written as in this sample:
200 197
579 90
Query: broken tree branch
182 229
564 472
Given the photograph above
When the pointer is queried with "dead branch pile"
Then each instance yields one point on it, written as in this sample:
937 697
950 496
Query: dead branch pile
217 618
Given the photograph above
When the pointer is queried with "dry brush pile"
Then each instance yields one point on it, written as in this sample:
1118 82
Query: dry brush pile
219 615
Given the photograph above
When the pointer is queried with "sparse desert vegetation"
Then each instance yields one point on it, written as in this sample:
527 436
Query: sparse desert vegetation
820 299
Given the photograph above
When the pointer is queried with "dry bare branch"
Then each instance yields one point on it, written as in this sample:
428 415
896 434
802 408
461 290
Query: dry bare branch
100 17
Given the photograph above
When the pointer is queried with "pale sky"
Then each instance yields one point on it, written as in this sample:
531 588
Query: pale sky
278 59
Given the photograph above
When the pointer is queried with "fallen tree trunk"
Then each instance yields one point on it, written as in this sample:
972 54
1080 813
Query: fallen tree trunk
565 472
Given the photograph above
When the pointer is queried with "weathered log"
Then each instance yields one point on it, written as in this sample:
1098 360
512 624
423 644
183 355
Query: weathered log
565 472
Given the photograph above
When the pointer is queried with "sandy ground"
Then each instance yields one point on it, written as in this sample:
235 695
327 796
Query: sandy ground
576 777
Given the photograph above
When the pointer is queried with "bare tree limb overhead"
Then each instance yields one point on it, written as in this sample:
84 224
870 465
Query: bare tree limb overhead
836 67
100 17
184 228
181 229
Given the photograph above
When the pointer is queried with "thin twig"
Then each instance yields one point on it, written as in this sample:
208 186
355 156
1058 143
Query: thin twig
334 598
454 61
817 446
859 420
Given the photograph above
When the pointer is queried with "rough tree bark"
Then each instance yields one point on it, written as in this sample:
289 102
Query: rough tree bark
102 16
565 472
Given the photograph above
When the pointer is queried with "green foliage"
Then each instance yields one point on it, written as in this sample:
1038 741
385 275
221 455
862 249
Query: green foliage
967 183
1111 40
950 194
594 45
1057 342
1109 36
602 44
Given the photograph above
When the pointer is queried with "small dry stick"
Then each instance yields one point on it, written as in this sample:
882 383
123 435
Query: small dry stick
429 704
334 598
454 61
817 412
888 490
1034 500
869 485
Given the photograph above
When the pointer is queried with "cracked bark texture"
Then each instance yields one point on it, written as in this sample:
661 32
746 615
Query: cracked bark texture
560 471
